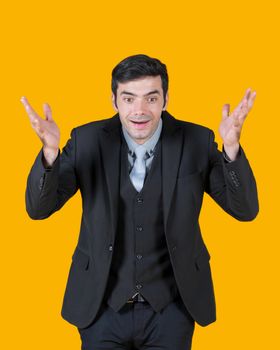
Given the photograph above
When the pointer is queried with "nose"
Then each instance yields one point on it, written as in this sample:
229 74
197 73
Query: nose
139 107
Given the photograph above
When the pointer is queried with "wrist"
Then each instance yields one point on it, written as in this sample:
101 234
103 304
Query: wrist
50 155
231 151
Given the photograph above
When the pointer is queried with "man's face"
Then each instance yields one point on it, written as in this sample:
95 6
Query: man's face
140 104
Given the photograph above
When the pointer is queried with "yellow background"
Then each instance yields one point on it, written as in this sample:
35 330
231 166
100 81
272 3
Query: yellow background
63 53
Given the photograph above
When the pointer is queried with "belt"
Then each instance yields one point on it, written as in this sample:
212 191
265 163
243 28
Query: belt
137 298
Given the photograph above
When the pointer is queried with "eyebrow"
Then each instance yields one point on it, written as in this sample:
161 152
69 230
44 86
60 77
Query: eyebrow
131 94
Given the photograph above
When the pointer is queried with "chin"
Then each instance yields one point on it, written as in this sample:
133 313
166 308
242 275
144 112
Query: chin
139 139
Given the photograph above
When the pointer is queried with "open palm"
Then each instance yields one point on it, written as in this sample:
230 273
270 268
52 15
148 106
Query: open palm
47 129
231 124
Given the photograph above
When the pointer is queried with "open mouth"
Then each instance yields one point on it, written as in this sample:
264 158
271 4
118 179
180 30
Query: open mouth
140 121
139 124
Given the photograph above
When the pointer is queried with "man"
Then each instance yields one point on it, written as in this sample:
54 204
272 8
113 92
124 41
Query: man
140 274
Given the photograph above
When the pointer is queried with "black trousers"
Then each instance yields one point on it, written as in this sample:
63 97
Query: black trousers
138 326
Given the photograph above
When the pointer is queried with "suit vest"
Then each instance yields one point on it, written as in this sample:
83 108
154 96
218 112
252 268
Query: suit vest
141 261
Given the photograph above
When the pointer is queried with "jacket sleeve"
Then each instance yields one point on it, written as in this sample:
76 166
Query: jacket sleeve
48 189
232 185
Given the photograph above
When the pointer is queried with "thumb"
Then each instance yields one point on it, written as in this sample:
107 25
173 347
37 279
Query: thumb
47 112
225 112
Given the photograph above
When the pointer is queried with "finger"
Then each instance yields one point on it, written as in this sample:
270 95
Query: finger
239 106
47 111
247 93
30 111
240 109
243 113
252 99
26 104
235 117
225 111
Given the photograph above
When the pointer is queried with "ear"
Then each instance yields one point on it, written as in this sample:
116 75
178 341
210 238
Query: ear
114 103
166 102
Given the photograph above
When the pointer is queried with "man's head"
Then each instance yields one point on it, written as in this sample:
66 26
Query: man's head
140 94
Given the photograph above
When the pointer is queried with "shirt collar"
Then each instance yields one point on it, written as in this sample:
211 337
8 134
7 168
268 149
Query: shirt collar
149 144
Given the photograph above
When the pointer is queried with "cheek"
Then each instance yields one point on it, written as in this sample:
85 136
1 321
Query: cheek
156 111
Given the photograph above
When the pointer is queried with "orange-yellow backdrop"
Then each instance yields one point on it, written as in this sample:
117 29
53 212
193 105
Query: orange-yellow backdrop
63 52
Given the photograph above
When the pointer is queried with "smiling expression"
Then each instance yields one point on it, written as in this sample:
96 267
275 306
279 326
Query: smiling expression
139 103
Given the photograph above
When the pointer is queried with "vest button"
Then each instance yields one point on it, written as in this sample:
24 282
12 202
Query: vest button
139 256
41 182
139 200
139 286
139 228
110 247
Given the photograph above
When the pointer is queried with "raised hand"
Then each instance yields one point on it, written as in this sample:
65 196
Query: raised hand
47 130
231 124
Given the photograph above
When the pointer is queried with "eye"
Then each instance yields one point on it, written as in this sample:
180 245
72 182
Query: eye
128 99
152 99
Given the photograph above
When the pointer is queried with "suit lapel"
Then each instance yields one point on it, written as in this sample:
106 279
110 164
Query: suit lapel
110 142
172 145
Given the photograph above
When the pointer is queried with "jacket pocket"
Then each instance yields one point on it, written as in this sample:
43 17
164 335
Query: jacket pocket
80 259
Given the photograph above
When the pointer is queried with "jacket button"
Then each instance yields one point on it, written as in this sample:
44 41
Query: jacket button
41 182
139 286
174 248
139 228
139 256
110 247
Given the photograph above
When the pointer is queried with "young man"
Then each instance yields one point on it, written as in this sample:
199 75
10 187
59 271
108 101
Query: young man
140 275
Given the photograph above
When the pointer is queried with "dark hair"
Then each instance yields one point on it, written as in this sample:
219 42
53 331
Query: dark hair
137 66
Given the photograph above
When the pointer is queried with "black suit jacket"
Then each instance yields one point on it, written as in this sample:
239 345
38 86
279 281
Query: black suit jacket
191 165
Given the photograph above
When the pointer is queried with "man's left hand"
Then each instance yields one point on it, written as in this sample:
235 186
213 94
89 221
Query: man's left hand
231 124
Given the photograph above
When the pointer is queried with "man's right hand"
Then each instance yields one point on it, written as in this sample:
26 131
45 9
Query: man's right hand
47 130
